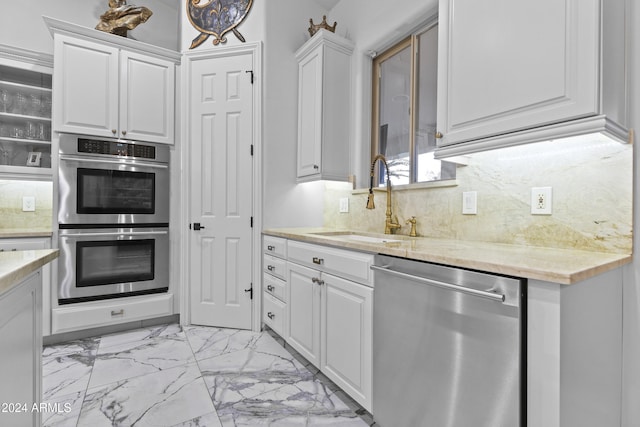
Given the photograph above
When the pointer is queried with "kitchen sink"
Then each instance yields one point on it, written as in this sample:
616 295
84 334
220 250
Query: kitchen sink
358 237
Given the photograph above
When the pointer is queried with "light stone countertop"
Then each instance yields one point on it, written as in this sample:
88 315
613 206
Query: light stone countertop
27 232
563 266
16 265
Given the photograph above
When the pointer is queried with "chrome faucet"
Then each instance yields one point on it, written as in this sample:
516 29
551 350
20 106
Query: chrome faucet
390 224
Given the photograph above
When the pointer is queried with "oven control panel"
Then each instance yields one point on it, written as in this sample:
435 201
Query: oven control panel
122 149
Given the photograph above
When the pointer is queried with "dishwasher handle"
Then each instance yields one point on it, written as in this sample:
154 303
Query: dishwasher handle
482 294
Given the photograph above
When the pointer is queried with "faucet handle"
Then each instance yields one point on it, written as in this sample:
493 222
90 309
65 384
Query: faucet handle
413 222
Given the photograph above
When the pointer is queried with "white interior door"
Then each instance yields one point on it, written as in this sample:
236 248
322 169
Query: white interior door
221 190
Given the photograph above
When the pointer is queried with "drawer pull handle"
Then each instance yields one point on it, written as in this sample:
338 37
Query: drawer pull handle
271 248
271 267
270 288
270 315
117 313
318 261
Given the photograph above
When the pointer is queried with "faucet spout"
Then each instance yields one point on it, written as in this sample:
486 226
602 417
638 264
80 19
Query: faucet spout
390 224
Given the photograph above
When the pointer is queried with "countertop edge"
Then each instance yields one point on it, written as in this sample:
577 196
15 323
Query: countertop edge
10 279
597 264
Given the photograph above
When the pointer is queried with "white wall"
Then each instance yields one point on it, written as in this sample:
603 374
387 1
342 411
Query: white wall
21 24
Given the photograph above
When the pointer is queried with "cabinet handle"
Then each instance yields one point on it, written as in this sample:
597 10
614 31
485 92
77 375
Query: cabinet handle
318 261
270 267
124 132
113 131
270 315
271 248
117 313
317 281
439 135
270 288
316 167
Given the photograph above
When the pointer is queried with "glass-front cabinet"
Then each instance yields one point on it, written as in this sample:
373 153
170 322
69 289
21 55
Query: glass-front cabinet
25 115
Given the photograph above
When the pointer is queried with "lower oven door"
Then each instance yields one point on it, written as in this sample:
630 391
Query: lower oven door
110 263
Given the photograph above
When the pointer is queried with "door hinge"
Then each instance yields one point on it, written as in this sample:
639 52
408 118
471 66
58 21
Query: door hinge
250 290
250 71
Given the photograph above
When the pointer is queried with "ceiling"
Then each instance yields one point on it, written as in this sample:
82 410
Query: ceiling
326 4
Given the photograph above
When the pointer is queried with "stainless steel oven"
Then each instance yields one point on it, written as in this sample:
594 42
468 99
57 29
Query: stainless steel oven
113 219
112 182
112 262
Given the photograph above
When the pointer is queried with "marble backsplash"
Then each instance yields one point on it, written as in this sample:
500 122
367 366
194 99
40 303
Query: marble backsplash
592 181
11 215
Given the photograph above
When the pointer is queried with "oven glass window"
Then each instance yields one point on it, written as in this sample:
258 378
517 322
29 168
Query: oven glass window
118 261
115 192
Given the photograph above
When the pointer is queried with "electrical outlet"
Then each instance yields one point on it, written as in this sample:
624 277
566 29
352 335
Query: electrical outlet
28 204
344 205
541 201
469 202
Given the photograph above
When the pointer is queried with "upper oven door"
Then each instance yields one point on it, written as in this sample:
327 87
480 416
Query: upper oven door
97 190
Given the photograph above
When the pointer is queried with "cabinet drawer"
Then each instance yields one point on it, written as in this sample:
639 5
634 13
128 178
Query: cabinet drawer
347 264
273 313
275 266
274 286
101 313
275 246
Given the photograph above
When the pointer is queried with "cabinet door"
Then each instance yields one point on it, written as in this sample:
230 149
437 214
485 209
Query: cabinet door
85 87
346 344
304 312
508 66
310 114
147 98
21 338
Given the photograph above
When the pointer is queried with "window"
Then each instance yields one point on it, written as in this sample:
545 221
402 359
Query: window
404 110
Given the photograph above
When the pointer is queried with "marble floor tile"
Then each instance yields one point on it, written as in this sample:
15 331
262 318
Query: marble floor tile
163 398
65 373
138 335
68 410
133 358
200 376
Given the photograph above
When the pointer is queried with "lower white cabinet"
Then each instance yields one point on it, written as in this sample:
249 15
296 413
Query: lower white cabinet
110 312
27 244
330 318
21 367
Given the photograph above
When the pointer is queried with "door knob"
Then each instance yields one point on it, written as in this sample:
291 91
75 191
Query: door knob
197 226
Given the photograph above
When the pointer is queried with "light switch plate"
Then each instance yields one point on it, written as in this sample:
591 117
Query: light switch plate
470 202
28 204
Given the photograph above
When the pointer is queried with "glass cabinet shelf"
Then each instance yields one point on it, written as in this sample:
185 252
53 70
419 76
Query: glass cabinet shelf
25 121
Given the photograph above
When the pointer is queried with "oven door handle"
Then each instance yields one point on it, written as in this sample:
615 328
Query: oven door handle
115 233
114 162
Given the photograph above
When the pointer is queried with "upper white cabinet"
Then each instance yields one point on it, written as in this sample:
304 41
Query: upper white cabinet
110 86
324 101
514 72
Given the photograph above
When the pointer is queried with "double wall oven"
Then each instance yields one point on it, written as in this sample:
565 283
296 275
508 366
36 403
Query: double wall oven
113 218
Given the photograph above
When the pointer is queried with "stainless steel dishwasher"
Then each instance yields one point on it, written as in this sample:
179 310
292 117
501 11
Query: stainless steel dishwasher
448 346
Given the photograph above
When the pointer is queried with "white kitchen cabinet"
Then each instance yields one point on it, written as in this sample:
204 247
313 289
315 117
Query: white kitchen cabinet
25 113
274 284
324 107
330 315
510 72
109 86
21 338
32 243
